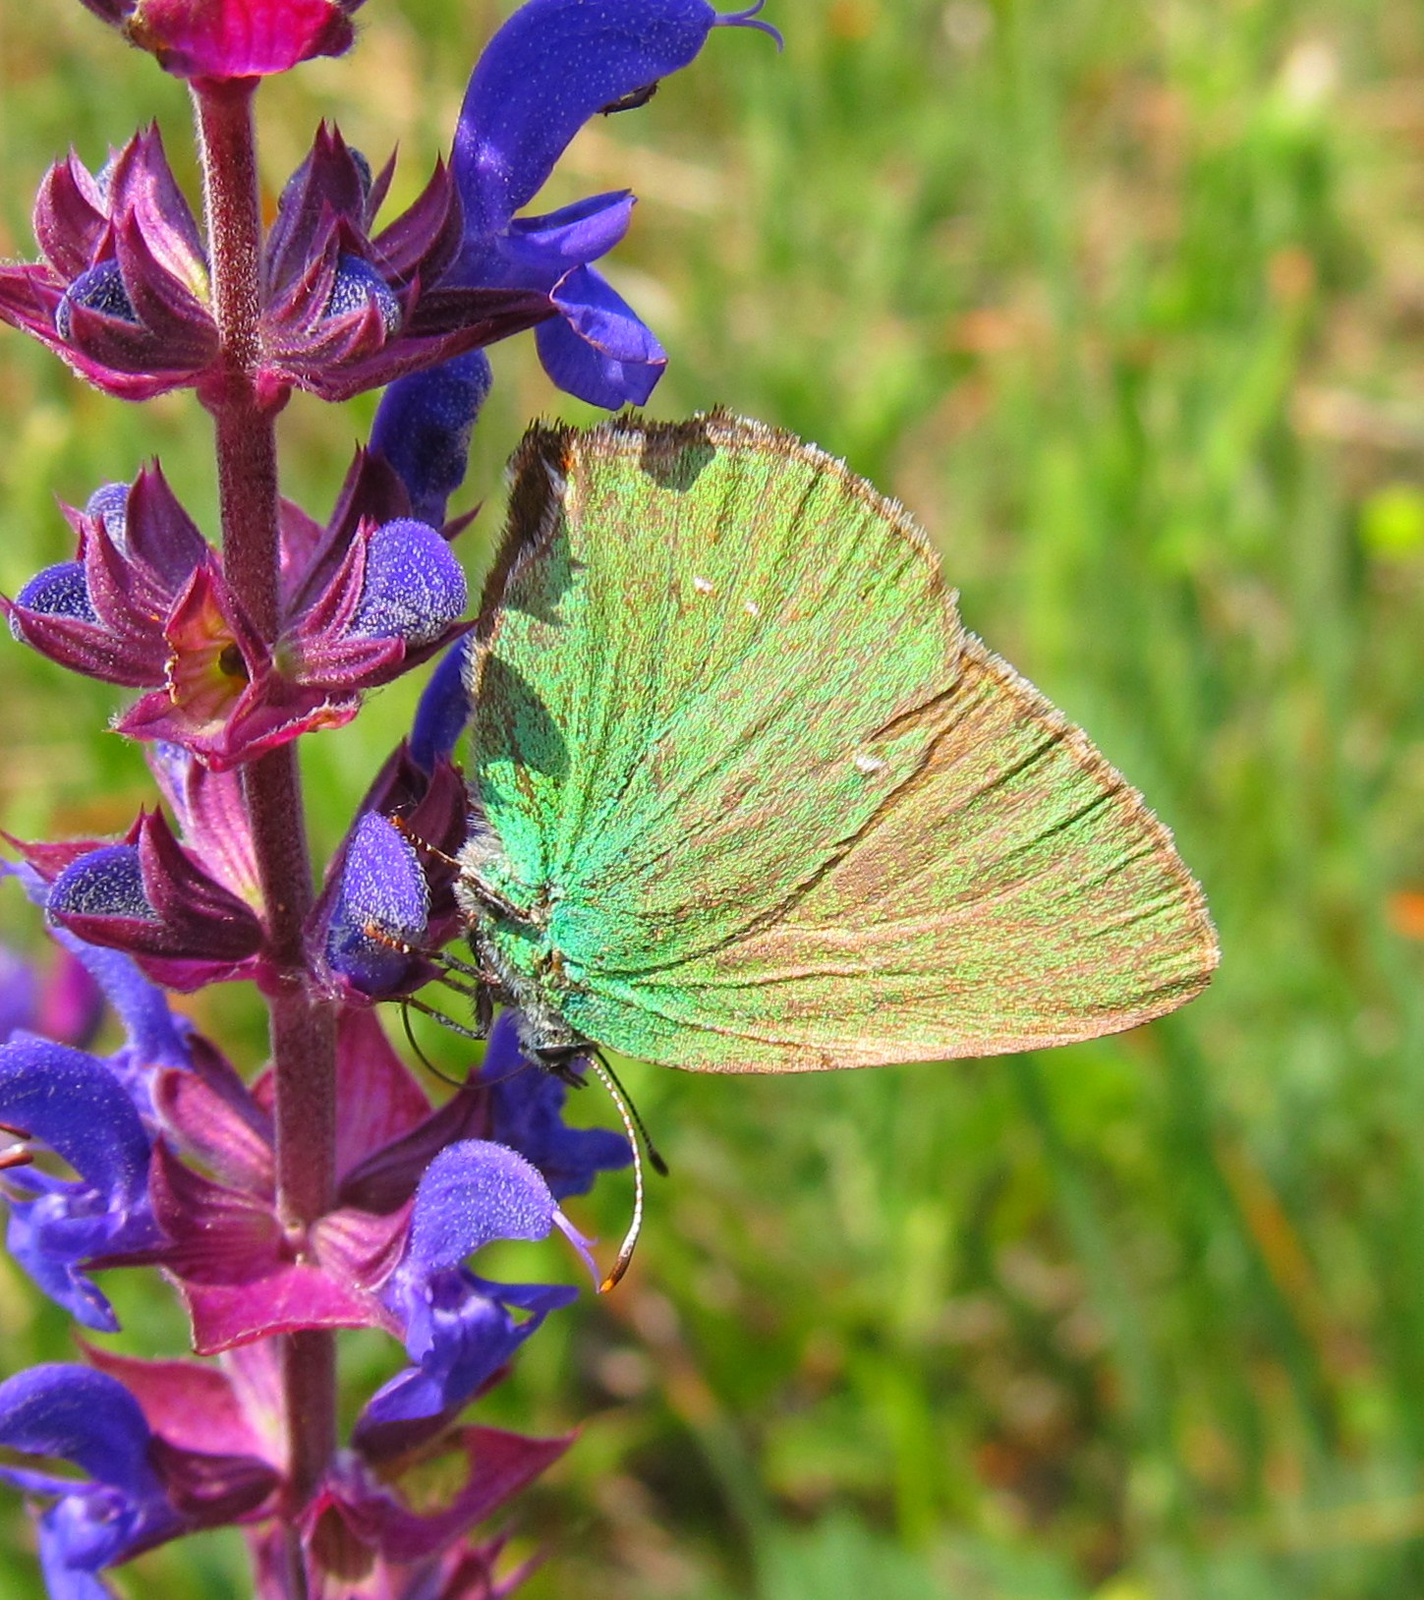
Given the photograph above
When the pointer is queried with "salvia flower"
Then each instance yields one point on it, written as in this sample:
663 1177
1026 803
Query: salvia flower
155 1461
218 39
171 1447
153 899
389 900
62 1100
242 1273
123 293
459 1329
551 67
348 310
90 1420
146 604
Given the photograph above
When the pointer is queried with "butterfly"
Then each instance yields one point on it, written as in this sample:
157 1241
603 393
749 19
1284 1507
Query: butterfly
748 797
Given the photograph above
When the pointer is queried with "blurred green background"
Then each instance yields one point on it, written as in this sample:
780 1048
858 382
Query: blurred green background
1126 301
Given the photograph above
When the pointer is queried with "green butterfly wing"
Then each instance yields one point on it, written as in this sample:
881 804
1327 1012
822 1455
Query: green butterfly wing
758 799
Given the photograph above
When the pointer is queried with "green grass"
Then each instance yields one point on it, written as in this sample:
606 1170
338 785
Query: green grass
1127 303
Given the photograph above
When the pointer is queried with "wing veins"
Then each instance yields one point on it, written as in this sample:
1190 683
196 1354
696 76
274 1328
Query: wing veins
838 853
688 707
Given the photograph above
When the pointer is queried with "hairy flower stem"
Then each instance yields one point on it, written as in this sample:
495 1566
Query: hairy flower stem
302 1030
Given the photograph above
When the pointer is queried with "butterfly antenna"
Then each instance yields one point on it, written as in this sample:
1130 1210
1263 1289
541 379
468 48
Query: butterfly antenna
637 1137
655 1161
425 1060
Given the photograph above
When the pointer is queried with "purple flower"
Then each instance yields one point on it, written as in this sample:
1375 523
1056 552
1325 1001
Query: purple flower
217 39
154 900
241 1272
74 1105
346 311
527 1114
381 911
459 1329
123 293
388 901
146 604
551 67
423 427
89 1419
142 1488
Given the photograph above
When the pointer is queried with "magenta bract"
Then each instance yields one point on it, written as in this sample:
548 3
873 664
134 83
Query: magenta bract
122 293
216 39
146 604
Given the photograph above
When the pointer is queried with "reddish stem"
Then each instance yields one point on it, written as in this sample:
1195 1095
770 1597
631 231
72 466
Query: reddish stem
302 1029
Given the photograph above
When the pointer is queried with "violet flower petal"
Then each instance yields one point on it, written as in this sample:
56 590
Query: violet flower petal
414 587
551 67
600 349
82 1416
444 708
472 1193
151 899
526 1105
77 1106
473 1332
423 427
91 1420
572 236
383 903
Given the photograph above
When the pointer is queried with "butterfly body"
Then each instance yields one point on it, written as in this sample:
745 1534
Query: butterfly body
749 797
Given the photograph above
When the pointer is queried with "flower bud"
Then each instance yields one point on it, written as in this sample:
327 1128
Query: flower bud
414 588
358 285
58 591
99 289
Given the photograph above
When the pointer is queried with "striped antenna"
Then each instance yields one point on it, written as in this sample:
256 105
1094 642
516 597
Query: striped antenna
633 1126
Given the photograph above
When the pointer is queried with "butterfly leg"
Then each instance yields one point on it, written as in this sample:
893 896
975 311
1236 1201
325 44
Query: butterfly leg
480 1031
